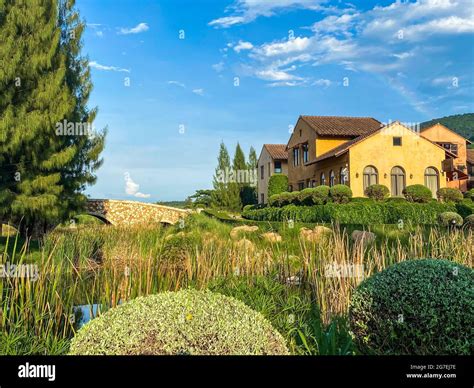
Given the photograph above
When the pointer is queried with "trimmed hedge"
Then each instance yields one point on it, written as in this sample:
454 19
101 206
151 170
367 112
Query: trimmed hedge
377 192
340 193
469 221
465 207
417 193
469 194
450 219
278 183
361 213
416 307
175 323
448 194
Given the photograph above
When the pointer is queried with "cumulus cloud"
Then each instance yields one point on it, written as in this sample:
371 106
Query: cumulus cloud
199 92
131 188
98 66
177 83
219 67
246 11
242 46
141 27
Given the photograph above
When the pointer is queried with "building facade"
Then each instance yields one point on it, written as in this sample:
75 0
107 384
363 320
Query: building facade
273 159
360 152
457 174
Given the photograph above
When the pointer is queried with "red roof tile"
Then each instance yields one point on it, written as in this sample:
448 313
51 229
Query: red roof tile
341 126
277 151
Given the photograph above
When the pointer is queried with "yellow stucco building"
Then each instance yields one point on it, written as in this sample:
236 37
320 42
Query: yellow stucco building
391 155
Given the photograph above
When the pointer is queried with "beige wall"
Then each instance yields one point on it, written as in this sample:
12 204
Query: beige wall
268 163
414 156
440 134
303 133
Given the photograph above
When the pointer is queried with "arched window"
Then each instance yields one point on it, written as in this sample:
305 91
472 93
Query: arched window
343 176
323 179
371 176
332 178
432 179
398 181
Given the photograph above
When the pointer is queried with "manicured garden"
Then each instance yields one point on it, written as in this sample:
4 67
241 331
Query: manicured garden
296 288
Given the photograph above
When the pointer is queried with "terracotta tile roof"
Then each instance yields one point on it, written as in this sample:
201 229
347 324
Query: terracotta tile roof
343 148
341 126
277 151
470 156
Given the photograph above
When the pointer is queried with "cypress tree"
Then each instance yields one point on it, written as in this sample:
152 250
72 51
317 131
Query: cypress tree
220 196
43 82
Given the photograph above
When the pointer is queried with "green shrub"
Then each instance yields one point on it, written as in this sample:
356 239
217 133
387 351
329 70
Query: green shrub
362 200
320 195
395 200
184 322
340 193
305 196
450 219
377 192
294 198
421 307
363 213
448 194
284 199
417 193
469 221
278 183
465 207
469 194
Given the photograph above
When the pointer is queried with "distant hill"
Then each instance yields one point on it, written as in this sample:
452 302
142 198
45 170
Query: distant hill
178 204
462 124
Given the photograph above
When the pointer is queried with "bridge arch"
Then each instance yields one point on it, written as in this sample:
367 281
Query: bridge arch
117 212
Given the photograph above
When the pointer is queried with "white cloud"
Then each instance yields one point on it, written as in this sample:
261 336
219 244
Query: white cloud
275 75
141 27
322 82
242 46
131 188
177 83
282 48
246 11
98 66
219 67
199 92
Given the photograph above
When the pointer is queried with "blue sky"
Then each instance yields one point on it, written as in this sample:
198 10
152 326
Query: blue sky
174 78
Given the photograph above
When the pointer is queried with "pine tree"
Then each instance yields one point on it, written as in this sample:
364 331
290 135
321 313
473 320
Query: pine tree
43 82
220 196
249 191
79 173
239 167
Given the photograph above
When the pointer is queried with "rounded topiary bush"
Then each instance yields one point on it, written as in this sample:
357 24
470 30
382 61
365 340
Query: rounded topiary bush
469 194
320 195
341 193
377 192
417 193
422 307
184 322
450 219
469 221
305 196
294 198
447 194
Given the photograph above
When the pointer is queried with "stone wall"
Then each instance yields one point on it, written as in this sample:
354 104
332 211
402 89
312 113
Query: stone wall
118 212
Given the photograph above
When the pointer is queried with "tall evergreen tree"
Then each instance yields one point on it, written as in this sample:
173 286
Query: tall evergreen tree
253 160
249 191
220 194
43 82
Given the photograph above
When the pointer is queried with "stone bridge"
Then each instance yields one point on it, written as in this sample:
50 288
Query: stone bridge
117 212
